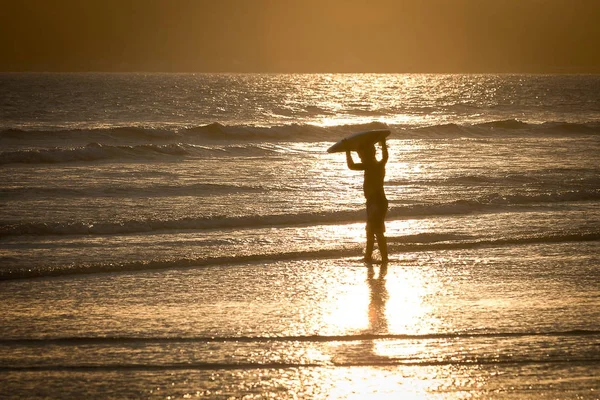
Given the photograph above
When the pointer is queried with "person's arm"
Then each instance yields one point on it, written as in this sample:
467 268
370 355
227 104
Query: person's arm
384 151
351 164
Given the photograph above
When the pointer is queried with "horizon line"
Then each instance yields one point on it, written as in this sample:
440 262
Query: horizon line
226 72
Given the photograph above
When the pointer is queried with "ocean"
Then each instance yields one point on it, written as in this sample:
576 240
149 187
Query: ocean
188 235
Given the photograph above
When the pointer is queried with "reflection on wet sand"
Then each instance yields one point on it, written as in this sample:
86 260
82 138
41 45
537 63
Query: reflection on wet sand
375 366
378 295
364 352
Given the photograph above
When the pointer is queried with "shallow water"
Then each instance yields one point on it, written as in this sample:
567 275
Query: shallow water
498 322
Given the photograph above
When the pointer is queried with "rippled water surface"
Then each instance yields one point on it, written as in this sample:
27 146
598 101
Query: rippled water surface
178 236
445 324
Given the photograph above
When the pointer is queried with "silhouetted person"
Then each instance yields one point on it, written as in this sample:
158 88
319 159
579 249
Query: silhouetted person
377 203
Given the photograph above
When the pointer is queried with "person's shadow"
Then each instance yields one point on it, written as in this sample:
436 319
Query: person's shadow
364 351
378 296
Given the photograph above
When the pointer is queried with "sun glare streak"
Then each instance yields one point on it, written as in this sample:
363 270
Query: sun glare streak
346 310
378 301
389 120
393 383
408 309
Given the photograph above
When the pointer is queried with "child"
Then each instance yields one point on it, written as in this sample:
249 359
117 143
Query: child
377 203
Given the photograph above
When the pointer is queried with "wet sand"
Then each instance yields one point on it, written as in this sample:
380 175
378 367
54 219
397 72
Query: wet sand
446 324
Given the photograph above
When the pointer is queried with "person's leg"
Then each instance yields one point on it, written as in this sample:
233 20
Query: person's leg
371 210
370 244
382 244
380 233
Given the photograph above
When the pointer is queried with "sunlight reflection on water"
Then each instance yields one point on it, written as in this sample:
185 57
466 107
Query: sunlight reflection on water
427 383
399 119
395 303
266 307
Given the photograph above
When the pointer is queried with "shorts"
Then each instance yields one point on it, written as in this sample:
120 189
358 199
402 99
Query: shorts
376 212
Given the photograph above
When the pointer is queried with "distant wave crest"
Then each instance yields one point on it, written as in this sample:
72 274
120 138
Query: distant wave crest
298 131
91 152
135 143
504 128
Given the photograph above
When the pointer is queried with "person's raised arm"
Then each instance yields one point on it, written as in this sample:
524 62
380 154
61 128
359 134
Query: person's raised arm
384 151
351 164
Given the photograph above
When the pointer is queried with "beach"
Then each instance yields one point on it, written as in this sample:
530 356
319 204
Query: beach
188 235
447 324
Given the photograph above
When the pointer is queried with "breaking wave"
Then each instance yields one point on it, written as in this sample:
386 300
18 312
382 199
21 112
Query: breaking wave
131 143
136 143
426 242
503 128
487 203
91 152
122 340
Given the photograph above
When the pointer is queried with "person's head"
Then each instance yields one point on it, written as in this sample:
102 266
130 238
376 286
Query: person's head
367 153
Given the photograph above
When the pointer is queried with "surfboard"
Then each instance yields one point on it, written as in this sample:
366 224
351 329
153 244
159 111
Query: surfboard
358 140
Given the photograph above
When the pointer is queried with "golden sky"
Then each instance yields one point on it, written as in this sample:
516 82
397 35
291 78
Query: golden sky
301 35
